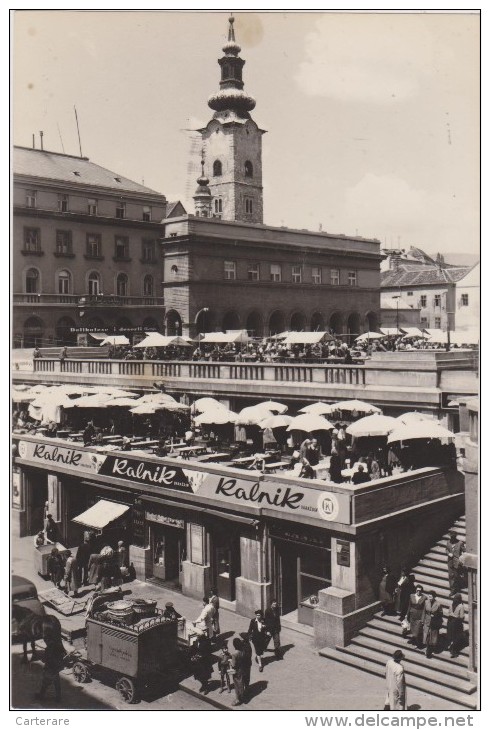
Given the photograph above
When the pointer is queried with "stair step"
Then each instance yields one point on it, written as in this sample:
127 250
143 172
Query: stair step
387 643
343 656
394 629
434 562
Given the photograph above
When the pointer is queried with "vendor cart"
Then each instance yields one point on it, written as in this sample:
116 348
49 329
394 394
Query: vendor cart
139 652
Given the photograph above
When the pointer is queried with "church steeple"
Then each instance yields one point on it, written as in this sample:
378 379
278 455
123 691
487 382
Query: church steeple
232 143
203 197
231 95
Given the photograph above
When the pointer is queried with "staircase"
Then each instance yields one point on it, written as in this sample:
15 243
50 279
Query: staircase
440 675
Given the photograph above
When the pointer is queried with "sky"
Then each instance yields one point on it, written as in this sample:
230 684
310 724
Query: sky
372 119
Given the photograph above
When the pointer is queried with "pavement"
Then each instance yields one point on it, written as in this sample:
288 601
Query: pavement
302 680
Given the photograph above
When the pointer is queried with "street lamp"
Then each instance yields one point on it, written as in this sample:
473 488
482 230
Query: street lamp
397 297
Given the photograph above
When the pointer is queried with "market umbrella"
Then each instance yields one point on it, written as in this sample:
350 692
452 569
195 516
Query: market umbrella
274 406
412 417
153 398
216 417
279 421
155 339
420 430
369 336
320 409
22 397
253 415
374 425
97 400
310 422
144 409
203 404
121 403
355 405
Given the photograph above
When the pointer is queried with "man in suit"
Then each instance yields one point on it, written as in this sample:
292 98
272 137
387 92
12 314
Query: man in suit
454 549
237 666
273 623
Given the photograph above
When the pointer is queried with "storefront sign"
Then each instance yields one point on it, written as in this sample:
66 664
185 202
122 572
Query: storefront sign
52 455
54 497
197 544
278 496
343 553
16 494
299 536
165 520
138 518
146 472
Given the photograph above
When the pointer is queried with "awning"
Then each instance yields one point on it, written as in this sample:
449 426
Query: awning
115 340
389 331
225 337
414 332
101 514
306 338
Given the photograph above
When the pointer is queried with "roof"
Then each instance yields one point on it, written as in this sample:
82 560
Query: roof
101 514
174 209
56 166
420 276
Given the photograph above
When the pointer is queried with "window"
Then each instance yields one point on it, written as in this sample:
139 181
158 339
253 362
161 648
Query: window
146 213
121 210
92 206
63 201
217 168
148 250
437 300
465 300
409 293
31 198
248 205
230 270
174 269
64 282
335 277
122 285
253 272
437 323
218 205
423 300
121 248
32 240
276 272
94 284
249 170
352 278
296 272
94 246
316 274
32 281
148 286
63 243
424 321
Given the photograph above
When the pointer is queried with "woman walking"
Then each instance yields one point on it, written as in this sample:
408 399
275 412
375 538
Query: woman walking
455 619
406 586
415 616
433 618
259 636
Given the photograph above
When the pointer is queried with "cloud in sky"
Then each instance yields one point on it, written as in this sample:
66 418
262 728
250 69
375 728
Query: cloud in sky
345 57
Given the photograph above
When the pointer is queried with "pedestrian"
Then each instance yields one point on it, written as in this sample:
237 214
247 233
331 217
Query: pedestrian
202 663
83 558
433 618
53 659
237 671
258 634
335 468
396 695
50 529
214 601
360 476
375 469
170 613
247 661
122 555
455 620
415 616
224 666
406 586
387 588
272 618
55 567
454 550
39 539
93 568
72 581
205 619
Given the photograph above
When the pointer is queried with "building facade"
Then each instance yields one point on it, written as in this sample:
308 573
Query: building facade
224 269
86 255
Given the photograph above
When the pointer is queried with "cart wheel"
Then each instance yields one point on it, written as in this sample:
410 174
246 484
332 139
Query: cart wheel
127 689
80 672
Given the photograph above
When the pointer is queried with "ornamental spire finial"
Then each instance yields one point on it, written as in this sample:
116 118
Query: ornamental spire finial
231 30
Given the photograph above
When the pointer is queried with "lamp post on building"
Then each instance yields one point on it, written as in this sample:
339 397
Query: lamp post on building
448 330
397 297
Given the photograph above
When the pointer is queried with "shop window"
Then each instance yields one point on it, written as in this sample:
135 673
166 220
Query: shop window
314 572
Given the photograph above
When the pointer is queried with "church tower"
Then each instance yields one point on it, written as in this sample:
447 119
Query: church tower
232 144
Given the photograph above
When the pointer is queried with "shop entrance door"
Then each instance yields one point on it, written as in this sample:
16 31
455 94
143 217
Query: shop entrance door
167 551
226 562
286 569
38 496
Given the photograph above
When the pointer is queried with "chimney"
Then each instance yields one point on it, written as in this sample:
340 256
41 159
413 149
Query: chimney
41 134
33 142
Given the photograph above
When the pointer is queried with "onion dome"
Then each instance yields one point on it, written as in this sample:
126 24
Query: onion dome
202 190
231 96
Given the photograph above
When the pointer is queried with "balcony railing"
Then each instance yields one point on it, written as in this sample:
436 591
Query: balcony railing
99 300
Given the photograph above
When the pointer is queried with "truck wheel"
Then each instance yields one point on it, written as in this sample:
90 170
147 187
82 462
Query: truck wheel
80 672
127 689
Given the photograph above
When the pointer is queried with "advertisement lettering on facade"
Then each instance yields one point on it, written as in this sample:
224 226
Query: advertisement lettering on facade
146 472
53 455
